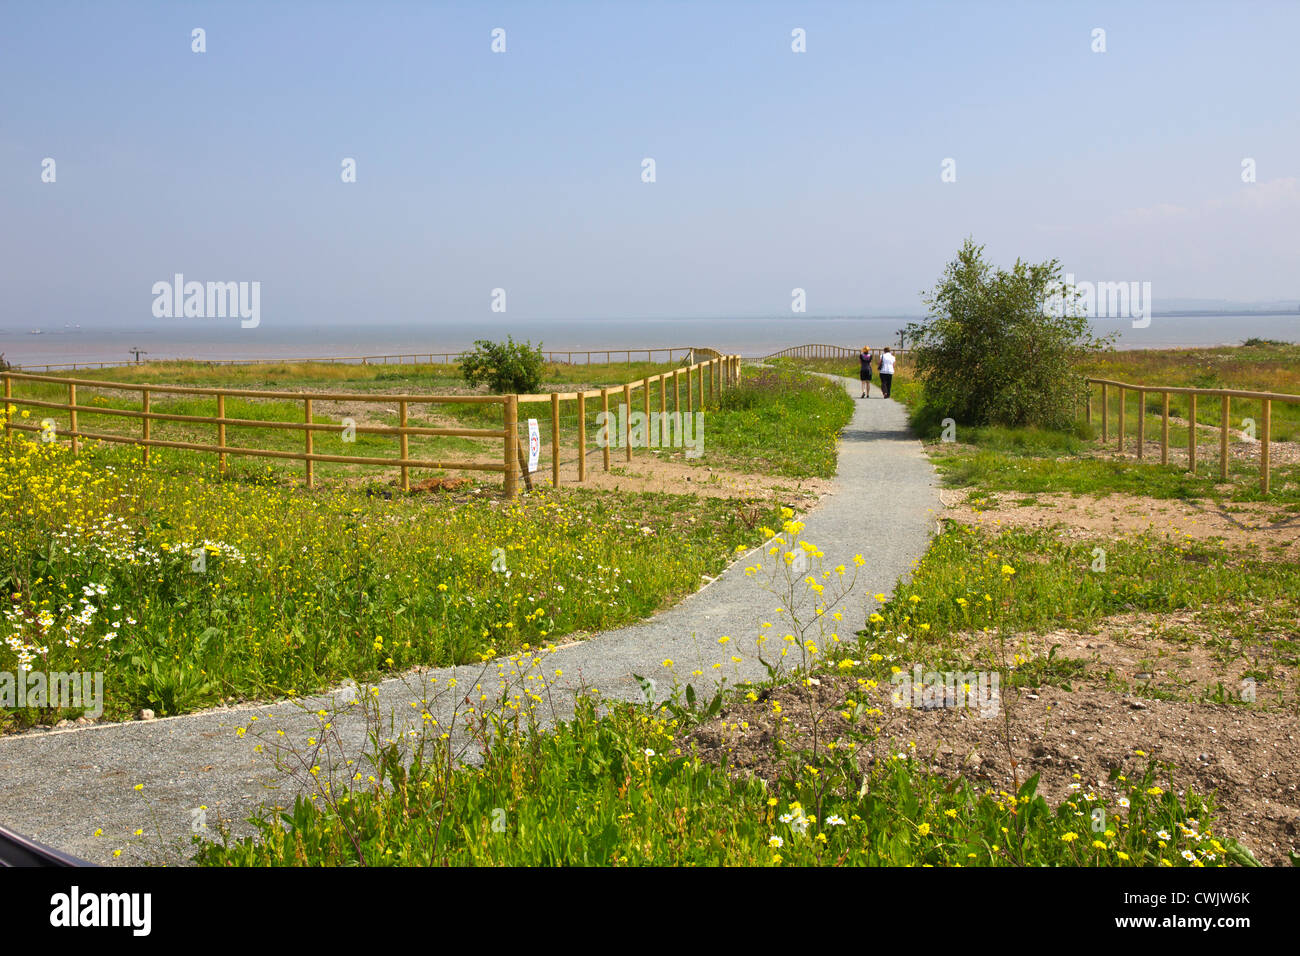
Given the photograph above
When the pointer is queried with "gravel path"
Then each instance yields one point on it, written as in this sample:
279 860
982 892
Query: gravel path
58 787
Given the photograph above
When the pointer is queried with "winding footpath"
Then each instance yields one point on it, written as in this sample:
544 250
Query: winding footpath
59 786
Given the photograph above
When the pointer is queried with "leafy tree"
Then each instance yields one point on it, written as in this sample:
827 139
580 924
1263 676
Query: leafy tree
505 367
1002 347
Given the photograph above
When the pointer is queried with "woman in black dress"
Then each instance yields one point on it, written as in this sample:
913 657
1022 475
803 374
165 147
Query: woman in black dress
864 371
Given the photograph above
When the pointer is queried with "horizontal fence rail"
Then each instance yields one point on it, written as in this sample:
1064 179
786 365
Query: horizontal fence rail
403 358
703 381
1225 397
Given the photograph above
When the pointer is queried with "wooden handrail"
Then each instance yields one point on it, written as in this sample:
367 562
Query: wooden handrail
1187 390
1266 400
722 370
261 393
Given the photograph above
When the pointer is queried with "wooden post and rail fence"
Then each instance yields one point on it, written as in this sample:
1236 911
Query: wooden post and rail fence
1225 397
709 376
404 358
704 382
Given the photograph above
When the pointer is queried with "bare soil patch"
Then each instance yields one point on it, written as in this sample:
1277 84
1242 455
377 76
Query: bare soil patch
1183 656
1245 759
646 473
1241 448
1273 529
658 473
1144 682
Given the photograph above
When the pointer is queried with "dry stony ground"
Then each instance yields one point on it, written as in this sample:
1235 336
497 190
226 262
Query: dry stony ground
651 471
1141 686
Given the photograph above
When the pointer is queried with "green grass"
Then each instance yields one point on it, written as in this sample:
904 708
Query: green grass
617 790
960 587
303 588
778 422
626 784
829 366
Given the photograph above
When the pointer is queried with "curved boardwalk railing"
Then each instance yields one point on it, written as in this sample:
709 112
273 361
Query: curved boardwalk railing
712 374
1225 396
814 351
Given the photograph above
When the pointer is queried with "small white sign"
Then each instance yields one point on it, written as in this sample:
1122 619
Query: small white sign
534 445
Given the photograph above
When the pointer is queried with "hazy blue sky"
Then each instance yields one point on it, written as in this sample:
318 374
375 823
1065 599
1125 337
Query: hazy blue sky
522 170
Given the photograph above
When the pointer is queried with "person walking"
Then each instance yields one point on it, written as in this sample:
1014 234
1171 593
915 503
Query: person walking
864 371
886 371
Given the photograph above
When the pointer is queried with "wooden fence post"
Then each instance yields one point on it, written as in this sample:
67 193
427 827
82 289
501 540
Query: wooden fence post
1105 414
1225 413
605 407
1265 434
404 442
309 443
555 439
677 390
72 416
1142 422
9 393
582 436
1121 419
663 409
221 432
144 407
627 405
1164 428
1088 412
510 424
1191 431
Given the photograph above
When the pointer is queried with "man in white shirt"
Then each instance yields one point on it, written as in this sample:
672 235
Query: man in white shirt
886 371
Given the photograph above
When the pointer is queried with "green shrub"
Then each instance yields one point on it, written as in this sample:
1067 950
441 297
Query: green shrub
505 367
991 353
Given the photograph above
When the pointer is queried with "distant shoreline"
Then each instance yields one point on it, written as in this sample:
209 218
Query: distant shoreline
335 359
281 339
